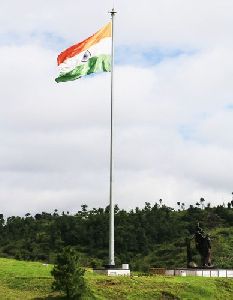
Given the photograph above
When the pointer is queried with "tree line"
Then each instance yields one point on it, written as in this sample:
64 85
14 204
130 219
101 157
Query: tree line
139 232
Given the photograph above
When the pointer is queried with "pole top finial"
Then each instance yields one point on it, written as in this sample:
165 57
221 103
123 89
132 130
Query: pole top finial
112 12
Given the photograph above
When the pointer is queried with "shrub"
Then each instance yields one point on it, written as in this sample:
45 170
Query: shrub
68 275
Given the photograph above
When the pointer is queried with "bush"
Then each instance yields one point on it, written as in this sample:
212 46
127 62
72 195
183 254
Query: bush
68 275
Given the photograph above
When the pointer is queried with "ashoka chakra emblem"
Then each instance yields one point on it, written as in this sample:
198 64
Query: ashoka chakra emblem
86 56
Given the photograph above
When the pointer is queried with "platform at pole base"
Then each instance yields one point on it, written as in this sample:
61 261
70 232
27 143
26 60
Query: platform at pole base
211 272
109 266
113 271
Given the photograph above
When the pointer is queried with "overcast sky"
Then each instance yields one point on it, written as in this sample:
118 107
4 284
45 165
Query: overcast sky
173 110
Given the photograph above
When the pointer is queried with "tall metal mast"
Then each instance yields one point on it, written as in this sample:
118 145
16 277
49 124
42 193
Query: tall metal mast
111 202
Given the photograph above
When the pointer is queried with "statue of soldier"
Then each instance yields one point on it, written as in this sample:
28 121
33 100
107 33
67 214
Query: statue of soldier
203 246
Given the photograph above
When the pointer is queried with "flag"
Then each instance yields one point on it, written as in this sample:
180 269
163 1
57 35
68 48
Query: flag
89 56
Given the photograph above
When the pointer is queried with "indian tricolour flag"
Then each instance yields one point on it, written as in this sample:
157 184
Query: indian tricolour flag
90 56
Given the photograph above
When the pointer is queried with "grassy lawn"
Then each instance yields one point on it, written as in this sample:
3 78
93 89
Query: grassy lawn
24 280
30 280
161 287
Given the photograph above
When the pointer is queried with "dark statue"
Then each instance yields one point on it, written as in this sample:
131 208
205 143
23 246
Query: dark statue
203 246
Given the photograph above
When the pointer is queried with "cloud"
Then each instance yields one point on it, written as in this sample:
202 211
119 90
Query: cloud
166 23
172 117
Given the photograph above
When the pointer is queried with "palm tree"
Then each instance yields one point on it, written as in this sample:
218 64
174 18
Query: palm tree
160 201
202 200
182 206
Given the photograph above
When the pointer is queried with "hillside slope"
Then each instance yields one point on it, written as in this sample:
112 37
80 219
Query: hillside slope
32 280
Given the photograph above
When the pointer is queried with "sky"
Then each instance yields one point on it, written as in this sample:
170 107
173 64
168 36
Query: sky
173 106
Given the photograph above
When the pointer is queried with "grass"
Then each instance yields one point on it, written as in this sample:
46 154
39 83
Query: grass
25 280
160 287
32 280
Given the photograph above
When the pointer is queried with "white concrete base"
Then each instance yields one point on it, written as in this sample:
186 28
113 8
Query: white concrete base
113 272
200 272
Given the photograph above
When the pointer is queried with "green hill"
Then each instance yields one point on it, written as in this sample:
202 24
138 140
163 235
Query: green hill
32 280
153 235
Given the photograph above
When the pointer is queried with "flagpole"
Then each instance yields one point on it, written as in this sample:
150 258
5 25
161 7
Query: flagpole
111 202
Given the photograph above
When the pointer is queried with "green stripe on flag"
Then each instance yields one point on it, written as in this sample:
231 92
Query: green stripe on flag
95 64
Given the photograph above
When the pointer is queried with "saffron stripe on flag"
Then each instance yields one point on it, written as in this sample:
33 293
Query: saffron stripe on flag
104 32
